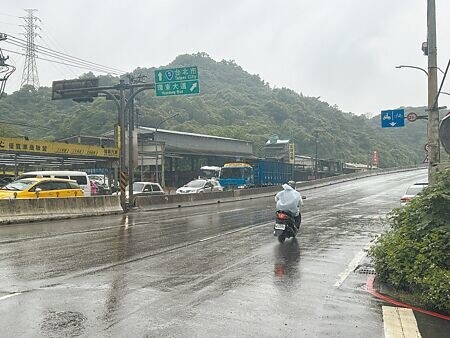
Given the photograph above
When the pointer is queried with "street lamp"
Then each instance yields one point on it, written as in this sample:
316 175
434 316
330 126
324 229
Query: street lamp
415 67
406 66
423 70
156 145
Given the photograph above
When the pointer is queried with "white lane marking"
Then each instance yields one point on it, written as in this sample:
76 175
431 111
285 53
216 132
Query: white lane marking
10 295
351 267
399 323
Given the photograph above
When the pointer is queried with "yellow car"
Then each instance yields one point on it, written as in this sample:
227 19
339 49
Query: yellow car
41 188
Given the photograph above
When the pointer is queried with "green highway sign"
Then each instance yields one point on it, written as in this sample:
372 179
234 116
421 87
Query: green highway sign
177 81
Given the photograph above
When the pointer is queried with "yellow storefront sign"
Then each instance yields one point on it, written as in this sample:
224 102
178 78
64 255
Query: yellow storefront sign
55 148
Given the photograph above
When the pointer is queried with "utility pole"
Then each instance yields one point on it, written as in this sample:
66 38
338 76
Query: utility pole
30 74
131 146
163 152
433 110
142 145
316 134
85 90
122 162
5 69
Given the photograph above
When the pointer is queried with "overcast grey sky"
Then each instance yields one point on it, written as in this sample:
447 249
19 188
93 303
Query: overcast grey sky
344 51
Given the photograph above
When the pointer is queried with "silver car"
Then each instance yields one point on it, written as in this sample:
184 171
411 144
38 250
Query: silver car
412 192
200 186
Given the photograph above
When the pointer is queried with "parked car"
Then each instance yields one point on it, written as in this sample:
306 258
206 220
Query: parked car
200 186
412 192
41 188
146 189
143 189
79 176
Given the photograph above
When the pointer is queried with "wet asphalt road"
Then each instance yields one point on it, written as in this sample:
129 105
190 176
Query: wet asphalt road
202 271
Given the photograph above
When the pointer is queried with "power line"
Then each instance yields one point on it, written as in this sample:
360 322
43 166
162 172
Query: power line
31 51
53 42
58 67
5 69
61 63
66 60
5 14
57 54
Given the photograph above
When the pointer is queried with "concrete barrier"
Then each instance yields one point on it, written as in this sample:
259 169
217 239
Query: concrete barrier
28 210
176 201
172 201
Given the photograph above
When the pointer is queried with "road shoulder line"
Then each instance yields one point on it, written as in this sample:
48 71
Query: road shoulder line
11 295
351 267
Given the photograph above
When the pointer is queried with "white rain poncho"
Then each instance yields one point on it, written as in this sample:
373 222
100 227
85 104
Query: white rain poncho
289 200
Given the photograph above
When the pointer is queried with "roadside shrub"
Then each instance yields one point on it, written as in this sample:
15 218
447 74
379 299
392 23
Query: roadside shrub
414 256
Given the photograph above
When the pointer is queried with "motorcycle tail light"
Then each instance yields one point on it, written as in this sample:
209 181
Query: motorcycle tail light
280 215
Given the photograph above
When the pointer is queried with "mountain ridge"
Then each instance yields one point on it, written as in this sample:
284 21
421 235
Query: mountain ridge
232 103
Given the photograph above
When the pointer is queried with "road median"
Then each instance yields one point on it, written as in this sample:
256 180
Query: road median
30 210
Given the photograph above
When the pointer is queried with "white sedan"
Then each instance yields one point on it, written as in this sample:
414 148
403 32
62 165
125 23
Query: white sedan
200 186
412 192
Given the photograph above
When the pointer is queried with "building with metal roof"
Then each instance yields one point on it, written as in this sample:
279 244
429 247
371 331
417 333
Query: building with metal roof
175 157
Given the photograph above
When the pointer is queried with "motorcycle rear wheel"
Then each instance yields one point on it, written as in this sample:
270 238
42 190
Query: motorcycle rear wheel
281 238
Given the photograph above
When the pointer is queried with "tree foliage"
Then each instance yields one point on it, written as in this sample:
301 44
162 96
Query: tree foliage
232 103
415 254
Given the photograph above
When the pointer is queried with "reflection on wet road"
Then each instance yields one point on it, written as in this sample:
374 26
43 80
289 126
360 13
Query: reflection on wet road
206 271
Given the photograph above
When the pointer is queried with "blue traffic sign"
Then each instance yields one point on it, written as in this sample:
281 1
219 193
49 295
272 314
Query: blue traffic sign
392 118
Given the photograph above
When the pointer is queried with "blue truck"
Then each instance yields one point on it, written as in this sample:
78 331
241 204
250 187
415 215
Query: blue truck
260 173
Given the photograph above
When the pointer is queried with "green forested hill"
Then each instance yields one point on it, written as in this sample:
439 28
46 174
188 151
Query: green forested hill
232 103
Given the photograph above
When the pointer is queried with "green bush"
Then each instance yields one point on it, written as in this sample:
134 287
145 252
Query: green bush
414 256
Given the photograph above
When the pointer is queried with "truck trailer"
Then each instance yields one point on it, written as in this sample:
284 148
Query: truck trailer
260 173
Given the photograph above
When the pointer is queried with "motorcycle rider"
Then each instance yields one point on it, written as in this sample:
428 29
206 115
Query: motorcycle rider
290 200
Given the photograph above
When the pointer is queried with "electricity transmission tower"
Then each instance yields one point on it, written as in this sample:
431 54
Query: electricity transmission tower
30 74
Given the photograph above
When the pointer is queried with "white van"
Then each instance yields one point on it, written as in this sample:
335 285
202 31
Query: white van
209 172
79 176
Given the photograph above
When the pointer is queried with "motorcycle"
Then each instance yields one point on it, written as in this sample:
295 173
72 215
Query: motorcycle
284 226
